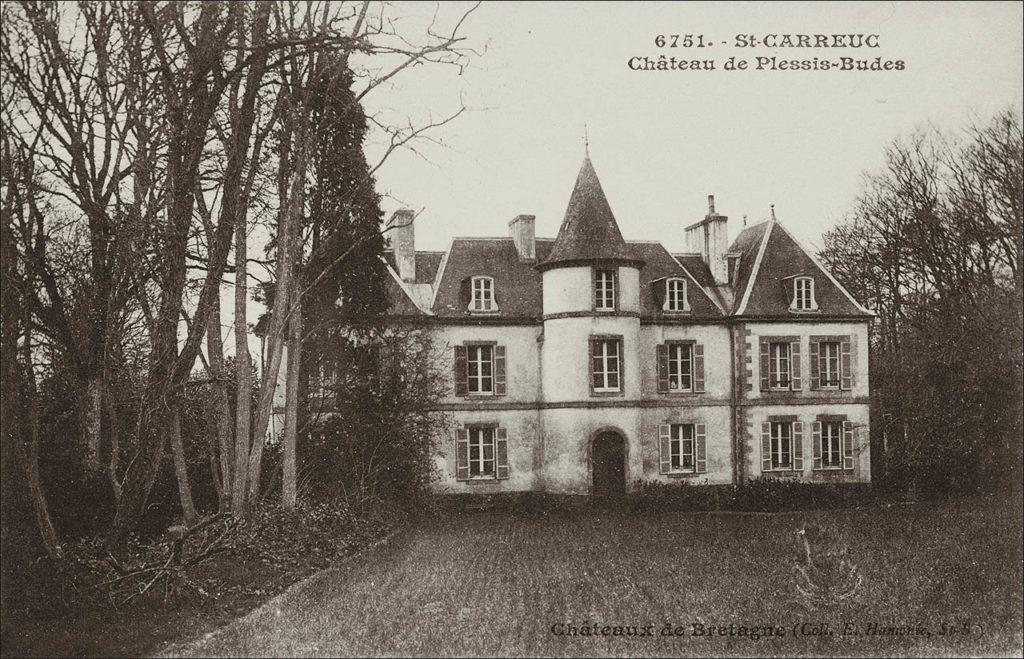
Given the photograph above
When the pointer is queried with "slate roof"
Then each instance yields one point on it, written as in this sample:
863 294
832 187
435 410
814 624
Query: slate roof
589 231
770 287
761 286
659 265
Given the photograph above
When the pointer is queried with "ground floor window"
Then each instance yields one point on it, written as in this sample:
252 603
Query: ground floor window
832 444
782 445
481 453
683 448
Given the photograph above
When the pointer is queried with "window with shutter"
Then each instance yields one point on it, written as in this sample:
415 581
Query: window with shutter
779 364
682 448
480 373
831 444
828 364
481 453
680 367
781 448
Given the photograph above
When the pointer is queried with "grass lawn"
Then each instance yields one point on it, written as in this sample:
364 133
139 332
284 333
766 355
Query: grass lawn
497 583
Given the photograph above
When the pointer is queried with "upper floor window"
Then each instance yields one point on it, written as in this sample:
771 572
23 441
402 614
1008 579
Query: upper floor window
803 295
605 365
675 295
828 365
482 294
680 367
604 290
480 369
780 363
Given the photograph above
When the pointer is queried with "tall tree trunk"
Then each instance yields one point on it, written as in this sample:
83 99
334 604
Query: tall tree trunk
29 457
91 413
291 411
221 408
114 464
188 507
243 369
289 235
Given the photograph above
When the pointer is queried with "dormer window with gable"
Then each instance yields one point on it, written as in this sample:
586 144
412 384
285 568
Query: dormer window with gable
604 290
803 295
676 300
482 294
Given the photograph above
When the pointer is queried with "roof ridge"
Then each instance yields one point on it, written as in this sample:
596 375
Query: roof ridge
757 266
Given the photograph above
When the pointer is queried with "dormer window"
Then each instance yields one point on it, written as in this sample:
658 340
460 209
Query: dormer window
604 290
482 298
803 295
675 296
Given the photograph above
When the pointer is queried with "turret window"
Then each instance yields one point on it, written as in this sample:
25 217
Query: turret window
604 290
605 365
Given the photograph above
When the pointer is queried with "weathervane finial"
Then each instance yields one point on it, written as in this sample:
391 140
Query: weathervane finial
773 212
586 141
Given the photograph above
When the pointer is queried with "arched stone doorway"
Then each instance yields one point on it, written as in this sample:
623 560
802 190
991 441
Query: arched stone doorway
608 465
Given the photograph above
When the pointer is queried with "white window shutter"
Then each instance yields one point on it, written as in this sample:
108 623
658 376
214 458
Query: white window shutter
698 368
462 454
794 366
766 447
816 442
664 447
700 448
501 452
798 446
846 364
499 370
847 445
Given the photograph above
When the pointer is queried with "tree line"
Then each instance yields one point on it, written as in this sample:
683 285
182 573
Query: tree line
933 246
148 149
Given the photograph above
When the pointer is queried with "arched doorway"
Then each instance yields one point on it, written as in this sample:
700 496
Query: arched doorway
608 462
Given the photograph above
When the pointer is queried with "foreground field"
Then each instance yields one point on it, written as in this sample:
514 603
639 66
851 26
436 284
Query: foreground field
937 579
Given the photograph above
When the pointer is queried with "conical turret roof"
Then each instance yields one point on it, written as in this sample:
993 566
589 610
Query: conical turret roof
589 231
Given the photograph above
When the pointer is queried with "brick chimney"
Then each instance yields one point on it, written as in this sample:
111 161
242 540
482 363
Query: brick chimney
710 239
402 230
524 235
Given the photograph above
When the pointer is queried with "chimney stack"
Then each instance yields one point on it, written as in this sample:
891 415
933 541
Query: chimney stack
403 243
524 235
710 239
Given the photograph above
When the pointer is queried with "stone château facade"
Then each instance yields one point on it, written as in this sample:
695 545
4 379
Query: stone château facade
582 364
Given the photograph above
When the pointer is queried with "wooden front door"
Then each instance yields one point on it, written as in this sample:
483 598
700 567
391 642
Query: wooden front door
609 465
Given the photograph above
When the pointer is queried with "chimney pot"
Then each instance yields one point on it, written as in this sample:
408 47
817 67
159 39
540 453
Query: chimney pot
711 204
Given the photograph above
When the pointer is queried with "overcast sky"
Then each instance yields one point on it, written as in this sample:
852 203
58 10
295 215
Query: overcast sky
662 141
